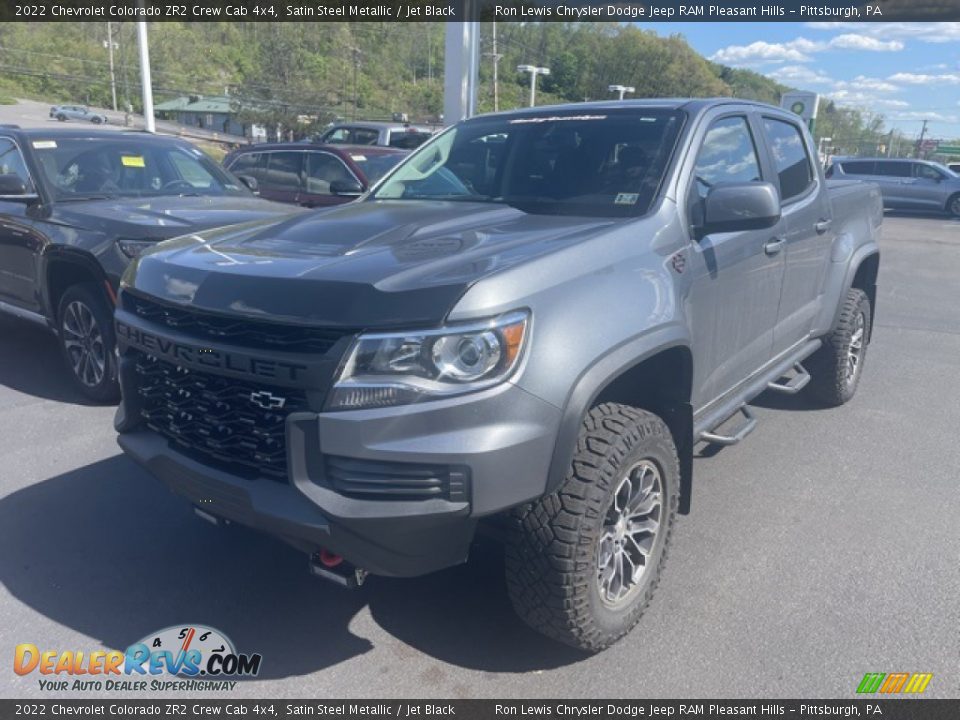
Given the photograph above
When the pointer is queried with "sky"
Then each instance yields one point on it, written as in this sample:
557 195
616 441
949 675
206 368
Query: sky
906 71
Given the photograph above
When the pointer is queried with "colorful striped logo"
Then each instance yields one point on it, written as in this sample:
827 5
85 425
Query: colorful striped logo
914 683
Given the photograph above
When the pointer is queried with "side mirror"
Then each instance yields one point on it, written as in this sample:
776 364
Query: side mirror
13 188
733 207
346 188
251 183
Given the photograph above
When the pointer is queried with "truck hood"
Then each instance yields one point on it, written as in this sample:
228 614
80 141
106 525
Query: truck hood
363 265
165 217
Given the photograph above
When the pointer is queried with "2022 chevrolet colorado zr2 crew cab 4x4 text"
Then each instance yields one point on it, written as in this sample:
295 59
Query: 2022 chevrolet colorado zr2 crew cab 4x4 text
76 205
531 321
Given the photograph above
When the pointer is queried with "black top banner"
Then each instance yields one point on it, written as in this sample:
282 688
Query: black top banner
479 10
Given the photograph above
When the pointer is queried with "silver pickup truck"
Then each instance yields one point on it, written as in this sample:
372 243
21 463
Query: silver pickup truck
530 323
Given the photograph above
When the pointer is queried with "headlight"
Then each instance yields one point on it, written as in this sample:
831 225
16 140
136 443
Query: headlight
385 369
133 248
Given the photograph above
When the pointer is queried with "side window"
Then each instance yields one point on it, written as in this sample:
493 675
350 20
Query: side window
926 172
283 171
12 163
323 169
894 169
858 167
728 154
364 136
340 135
790 157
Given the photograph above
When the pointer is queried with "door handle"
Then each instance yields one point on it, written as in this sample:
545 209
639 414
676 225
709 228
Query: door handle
822 226
775 245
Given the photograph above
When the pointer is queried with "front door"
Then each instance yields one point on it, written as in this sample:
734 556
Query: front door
736 278
20 244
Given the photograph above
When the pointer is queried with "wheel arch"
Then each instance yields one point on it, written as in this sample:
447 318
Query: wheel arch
65 268
654 373
865 278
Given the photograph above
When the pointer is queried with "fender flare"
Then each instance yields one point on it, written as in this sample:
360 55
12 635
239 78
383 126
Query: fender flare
71 256
856 261
598 376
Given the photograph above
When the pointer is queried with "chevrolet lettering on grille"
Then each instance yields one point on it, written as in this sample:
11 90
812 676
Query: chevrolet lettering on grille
267 400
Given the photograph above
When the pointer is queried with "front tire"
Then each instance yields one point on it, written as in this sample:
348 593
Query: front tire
87 342
582 562
953 206
836 367
61 118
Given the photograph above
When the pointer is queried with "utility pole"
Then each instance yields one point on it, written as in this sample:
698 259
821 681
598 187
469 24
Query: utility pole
923 132
496 61
356 70
534 71
146 86
113 77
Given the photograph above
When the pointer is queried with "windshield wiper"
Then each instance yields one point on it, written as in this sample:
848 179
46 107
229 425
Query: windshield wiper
80 198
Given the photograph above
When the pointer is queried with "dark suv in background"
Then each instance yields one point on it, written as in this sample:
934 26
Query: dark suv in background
77 205
905 183
312 175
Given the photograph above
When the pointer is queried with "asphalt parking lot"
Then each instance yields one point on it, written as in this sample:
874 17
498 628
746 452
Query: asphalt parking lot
825 546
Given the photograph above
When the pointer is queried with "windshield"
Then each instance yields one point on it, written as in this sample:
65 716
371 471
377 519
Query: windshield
83 168
575 162
375 167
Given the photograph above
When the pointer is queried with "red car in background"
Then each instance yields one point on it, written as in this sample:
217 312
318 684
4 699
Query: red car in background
311 175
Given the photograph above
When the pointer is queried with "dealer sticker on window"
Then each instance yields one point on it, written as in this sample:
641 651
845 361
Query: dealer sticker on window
626 199
44 144
132 161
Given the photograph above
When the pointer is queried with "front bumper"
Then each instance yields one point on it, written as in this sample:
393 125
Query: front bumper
500 440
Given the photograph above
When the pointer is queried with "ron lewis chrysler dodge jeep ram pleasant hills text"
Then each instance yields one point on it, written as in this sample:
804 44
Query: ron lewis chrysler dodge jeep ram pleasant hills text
529 323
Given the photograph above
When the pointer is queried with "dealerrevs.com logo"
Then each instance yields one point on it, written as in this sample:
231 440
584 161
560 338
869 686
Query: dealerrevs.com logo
180 657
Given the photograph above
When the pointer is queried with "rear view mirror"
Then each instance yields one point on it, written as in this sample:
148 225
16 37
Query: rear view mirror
346 188
733 207
250 182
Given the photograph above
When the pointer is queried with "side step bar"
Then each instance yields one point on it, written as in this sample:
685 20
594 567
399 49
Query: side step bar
793 385
714 438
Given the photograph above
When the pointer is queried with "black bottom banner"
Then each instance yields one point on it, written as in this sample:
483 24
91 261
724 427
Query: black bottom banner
905 709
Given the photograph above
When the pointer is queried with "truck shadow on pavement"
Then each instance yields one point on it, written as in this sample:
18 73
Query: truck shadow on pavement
106 551
30 362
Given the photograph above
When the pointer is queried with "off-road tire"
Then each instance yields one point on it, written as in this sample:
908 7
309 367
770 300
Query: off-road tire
552 544
830 382
92 297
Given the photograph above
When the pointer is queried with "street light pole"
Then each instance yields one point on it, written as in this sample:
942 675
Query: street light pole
113 77
534 71
145 83
621 89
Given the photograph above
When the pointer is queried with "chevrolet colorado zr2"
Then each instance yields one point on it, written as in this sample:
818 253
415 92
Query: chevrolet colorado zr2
529 323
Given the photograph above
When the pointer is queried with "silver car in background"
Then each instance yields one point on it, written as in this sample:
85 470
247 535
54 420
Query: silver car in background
905 183
77 112
389 134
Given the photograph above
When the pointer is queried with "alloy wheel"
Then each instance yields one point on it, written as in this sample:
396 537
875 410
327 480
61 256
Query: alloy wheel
855 349
84 344
629 533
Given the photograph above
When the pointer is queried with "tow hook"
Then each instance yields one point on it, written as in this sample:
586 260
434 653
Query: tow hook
334 568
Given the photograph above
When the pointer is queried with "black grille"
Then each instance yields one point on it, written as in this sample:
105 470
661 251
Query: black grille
244 332
217 420
369 480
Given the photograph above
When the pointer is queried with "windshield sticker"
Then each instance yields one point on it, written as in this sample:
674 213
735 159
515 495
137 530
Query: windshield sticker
133 161
358 158
44 144
626 199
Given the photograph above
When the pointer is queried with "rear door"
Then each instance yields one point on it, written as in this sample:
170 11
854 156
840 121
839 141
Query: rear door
280 175
806 226
735 283
893 177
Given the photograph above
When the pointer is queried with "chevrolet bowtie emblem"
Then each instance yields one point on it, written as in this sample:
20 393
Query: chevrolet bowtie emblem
267 400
